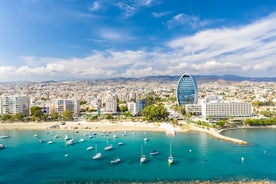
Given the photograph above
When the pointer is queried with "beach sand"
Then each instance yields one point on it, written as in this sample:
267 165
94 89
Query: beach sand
115 126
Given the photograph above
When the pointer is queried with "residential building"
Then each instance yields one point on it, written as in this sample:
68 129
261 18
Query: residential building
68 104
15 104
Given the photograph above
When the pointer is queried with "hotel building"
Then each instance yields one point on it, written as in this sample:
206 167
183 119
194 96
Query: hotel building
187 91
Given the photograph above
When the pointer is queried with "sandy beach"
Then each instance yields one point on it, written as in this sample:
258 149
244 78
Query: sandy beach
115 126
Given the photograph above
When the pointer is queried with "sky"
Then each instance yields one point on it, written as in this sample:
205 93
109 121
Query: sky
94 39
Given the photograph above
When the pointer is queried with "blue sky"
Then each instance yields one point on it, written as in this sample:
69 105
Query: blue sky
85 39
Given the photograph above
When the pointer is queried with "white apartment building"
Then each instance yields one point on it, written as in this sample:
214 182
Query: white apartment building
233 109
68 104
15 104
110 104
132 108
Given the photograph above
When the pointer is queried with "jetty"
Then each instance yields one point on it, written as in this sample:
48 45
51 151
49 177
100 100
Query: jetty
212 132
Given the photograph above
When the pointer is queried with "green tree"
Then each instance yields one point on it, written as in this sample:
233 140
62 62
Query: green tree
19 116
36 113
155 113
67 115
83 102
6 117
54 115
123 108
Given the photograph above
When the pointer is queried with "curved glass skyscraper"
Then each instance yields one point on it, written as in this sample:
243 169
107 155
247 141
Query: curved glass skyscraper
187 92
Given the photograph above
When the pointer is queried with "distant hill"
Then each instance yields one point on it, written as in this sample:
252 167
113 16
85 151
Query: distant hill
166 78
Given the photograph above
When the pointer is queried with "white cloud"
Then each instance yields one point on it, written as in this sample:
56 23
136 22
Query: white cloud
248 50
131 7
184 19
264 66
160 14
115 35
95 6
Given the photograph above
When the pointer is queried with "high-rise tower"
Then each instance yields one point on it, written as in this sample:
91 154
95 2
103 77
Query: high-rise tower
187 92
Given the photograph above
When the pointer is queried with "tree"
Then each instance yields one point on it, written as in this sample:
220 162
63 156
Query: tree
6 117
155 113
83 102
19 116
54 115
36 113
67 115
123 108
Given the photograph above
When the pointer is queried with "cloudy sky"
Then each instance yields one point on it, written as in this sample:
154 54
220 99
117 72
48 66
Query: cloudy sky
85 39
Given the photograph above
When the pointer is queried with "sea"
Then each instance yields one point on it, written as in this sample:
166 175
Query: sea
197 157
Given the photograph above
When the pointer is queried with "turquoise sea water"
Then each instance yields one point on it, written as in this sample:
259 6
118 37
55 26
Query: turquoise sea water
197 157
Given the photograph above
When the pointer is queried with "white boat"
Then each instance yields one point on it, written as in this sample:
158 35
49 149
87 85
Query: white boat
81 140
70 142
89 148
115 161
4 137
2 146
121 143
143 157
98 155
66 137
108 147
145 139
170 158
50 142
35 135
154 152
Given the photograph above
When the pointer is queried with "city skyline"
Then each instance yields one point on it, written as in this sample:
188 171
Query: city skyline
65 40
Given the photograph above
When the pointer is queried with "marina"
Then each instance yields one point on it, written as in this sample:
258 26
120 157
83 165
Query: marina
196 156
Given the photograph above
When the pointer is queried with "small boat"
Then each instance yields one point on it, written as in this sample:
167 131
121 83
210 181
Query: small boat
90 136
5 137
66 137
98 155
50 142
56 136
35 135
81 140
143 157
145 139
89 148
70 142
154 152
115 161
108 148
66 155
121 143
114 136
41 141
2 146
170 158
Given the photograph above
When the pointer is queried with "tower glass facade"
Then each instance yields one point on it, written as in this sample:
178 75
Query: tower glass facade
187 92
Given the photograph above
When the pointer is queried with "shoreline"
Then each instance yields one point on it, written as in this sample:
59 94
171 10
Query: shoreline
101 126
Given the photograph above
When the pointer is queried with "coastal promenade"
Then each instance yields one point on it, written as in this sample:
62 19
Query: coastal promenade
116 126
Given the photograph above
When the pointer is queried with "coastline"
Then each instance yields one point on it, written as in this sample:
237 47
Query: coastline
116 126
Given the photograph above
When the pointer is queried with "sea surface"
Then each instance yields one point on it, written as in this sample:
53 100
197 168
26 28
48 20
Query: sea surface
197 156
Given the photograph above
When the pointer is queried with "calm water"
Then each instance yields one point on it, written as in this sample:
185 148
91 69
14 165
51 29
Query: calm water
197 157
